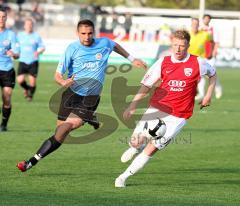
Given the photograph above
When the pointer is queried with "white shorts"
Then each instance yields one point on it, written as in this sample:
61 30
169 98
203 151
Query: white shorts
173 125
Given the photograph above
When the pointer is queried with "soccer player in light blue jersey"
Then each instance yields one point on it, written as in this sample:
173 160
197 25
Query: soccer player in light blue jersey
85 62
9 49
31 46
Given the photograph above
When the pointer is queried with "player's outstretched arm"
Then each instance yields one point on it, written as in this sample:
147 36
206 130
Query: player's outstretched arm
143 91
136 62
207 98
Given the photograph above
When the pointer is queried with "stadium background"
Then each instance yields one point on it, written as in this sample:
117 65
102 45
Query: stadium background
200 168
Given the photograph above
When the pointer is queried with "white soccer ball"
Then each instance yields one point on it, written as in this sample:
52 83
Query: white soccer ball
155 129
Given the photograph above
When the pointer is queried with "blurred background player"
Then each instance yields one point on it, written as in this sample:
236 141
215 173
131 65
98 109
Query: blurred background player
197 47
211 50
9 48
85 61
31 46
172 101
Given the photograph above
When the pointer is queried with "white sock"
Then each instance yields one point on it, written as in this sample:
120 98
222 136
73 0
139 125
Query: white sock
137 164
218 85
37 157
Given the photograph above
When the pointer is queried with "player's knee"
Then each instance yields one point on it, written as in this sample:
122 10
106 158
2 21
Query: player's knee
75 123
6 101
19 80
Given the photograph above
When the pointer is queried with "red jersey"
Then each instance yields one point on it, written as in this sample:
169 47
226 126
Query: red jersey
179 81
210 44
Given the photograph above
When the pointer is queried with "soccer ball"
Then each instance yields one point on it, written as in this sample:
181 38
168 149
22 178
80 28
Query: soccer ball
155 129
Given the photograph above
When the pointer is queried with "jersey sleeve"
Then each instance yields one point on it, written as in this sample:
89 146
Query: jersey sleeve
65 61
205 68
111 44
15 47
153 74
40 43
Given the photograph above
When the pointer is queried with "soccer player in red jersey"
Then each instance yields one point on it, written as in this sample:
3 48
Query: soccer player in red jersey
172 101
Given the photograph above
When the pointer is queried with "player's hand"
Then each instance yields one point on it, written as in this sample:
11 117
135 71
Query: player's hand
10 53
128 112
205 102
139 63
36 54
68 82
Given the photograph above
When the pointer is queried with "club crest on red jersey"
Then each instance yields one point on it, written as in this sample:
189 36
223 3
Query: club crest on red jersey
188 72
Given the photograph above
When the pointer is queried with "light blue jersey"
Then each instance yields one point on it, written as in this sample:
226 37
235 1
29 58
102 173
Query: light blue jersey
87 64
8 41
29 44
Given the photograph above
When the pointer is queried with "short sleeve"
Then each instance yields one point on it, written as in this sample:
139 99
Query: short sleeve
111 44
153 74
15 47
65 61
205 68
40 43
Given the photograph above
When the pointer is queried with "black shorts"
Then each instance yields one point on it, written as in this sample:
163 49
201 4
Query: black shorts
31 69
82 106
7 78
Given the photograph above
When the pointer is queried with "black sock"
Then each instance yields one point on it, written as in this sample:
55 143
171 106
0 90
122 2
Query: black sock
24 85
47 147
31 91
5 115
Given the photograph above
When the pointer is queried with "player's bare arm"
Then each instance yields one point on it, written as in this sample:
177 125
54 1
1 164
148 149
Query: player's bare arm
136 62
215 49
207 98
63 82
143 91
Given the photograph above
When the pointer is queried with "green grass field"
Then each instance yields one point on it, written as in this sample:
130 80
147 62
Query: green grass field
200 168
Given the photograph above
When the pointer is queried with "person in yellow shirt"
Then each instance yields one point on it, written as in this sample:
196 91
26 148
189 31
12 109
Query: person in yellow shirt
199 38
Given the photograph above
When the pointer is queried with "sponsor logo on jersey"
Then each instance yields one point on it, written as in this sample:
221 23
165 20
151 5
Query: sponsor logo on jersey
98 56
177 85
32 41
6 42
91 65
188 72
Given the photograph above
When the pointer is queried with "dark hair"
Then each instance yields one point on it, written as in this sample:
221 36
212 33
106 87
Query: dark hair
207 15
85 22
182 34
3 9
